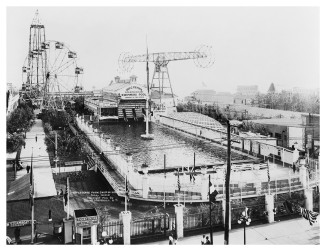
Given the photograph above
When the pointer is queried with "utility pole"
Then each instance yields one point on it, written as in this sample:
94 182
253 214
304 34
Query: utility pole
31 195
56 149
210 209
227 186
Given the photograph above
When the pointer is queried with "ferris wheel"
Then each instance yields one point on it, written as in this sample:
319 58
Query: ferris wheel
50 71
59 73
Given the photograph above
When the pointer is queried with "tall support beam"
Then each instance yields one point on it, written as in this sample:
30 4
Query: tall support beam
227 187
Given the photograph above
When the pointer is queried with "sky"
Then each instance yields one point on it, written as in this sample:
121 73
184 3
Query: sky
252 45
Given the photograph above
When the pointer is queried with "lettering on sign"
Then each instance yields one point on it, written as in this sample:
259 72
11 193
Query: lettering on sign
86 221
20 223
133 92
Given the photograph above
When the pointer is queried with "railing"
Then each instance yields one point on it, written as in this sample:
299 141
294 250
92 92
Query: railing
183 195
149 226
113 229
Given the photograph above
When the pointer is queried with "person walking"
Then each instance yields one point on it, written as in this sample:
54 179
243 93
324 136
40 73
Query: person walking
28 168
203 240
36 138
208 242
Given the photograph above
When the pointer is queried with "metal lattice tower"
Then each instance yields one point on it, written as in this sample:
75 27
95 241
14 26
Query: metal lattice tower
202 56
35 68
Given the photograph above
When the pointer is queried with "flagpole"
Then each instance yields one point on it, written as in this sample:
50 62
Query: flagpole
32 197
210 208
178 187
269 183
126 196
164 180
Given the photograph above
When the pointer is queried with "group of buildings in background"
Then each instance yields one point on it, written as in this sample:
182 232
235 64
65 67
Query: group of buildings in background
245 94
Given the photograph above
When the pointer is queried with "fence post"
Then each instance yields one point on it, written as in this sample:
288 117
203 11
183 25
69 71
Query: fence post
125 216
303 176
179 220
145 186
204 184
269 206
308 194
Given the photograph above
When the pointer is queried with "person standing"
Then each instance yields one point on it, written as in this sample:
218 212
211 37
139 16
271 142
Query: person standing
208 242
36 138
28 168
203 240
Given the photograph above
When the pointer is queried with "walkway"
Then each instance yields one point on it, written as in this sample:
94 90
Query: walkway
43 181
289 232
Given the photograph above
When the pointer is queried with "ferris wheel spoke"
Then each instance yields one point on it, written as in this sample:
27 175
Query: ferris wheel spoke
62 85
56 59
56 70
60 64
61 70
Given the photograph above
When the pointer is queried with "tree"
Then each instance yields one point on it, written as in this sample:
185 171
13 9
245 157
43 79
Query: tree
14 142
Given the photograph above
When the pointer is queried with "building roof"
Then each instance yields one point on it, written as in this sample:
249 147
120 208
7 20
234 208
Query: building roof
85 212
114 87
19 189
279 121
20 210
197 119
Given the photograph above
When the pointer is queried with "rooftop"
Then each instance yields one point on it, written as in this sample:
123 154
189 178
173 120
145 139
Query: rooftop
279 121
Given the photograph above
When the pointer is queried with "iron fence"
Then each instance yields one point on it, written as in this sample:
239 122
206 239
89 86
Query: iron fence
112 229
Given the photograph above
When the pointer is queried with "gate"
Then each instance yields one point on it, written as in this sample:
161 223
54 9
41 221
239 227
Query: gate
157 227
111 229
256 209
294 199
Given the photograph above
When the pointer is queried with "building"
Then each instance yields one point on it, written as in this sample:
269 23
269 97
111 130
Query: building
245 94
209 96
302 134
122 99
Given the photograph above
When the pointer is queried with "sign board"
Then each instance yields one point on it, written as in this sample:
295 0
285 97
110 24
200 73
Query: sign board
20 223
86 221
133 92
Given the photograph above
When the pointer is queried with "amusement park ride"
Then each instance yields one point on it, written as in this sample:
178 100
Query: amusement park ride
203 57
50 70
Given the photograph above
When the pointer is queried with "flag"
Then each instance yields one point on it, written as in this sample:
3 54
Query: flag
66 195
309 215
127 190
31 186
212 191
192 175
179 186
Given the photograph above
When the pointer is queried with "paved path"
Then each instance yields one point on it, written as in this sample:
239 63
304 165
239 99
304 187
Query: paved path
43 181
293 232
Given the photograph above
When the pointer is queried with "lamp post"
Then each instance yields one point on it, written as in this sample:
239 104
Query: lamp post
245 219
